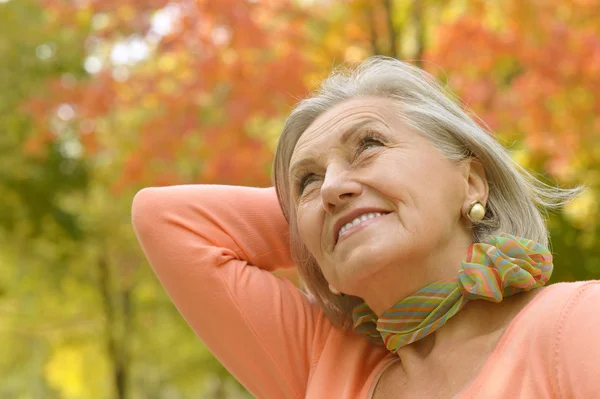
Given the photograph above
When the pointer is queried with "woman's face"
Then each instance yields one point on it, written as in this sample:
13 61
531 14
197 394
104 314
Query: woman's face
359 159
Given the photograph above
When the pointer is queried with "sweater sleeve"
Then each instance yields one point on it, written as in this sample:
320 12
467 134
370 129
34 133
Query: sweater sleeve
577 349
213 248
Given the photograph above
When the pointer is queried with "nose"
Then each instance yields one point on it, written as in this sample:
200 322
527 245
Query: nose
338 187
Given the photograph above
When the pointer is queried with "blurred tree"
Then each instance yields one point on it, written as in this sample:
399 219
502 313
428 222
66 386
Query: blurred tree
133 118
37 230
31 185
530 70
184 81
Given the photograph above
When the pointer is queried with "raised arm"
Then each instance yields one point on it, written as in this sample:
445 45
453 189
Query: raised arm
213 248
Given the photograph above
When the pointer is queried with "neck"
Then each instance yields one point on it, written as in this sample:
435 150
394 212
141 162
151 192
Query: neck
487 275
383 290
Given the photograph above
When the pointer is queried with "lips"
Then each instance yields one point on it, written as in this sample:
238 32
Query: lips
350 216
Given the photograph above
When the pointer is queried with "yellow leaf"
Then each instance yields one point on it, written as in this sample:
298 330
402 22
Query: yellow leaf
78 371
583 211
521 156
83 16
64 372
126 12
355 54
150 101
167 63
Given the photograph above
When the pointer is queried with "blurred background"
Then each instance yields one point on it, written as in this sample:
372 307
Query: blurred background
99 99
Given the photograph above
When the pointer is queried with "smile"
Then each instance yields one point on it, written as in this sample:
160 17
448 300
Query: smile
357 224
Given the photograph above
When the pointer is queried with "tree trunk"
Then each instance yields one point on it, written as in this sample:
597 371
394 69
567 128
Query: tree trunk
373 32
114 344
391 29
418 9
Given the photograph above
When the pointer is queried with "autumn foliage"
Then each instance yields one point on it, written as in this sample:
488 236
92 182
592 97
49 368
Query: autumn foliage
222 65
531 71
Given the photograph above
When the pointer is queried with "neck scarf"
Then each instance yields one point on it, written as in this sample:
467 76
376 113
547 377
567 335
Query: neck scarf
501 266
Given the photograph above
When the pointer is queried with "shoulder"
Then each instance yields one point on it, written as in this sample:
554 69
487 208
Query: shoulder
579 310
560 298
556 335
565 307
575 348
553 310
581 296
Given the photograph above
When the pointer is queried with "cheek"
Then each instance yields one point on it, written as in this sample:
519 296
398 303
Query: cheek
310 232
442 198
425 188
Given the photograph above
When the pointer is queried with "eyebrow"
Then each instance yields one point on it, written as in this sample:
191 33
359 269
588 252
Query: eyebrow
344 139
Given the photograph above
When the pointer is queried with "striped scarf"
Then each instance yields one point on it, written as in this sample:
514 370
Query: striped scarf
499 267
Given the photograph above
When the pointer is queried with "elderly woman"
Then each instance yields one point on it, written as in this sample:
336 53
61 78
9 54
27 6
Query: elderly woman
421 246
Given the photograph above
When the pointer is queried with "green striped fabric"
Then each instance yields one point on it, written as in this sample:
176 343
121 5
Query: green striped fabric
501 266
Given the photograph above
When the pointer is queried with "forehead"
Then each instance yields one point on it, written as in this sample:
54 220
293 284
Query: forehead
328 127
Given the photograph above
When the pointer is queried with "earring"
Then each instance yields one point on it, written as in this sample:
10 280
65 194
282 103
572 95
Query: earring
333 290
476 211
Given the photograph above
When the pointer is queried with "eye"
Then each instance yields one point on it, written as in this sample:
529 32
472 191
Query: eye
367 142
305 181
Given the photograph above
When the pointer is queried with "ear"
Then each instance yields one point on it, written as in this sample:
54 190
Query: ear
477 185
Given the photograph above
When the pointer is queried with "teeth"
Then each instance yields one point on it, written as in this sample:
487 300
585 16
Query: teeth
358 220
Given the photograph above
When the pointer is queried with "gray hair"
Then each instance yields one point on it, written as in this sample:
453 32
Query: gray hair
517 200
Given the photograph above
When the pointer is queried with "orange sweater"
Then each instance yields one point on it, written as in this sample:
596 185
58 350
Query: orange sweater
214 247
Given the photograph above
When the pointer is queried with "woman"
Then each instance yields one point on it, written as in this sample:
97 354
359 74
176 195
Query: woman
420 244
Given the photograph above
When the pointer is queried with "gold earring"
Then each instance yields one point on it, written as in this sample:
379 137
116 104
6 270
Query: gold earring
476 211
333 290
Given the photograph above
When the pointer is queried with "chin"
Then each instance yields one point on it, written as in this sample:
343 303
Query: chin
360 265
